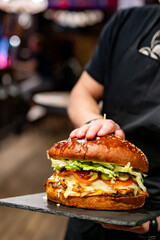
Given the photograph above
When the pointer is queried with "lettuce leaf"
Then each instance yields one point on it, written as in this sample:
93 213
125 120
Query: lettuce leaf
89 166
112 170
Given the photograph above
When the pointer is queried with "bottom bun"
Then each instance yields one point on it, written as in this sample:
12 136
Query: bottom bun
96 202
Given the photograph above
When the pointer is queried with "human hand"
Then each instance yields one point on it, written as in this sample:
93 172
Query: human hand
141 229
99 127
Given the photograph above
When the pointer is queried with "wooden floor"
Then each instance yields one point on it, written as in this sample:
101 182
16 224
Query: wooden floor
24 169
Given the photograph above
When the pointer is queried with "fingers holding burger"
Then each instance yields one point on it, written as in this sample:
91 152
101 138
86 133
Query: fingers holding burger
98 127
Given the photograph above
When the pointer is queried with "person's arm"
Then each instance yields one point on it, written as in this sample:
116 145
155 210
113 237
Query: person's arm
84 107
83 101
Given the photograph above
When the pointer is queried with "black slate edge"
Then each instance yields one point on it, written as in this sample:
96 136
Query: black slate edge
67 214
71 214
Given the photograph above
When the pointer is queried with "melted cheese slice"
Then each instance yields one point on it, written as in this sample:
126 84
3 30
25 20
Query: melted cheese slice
75 188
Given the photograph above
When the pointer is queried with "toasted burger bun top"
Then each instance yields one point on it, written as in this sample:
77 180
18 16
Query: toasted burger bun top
110 149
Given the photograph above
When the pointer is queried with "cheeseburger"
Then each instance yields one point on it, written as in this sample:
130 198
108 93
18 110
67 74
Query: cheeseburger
105 173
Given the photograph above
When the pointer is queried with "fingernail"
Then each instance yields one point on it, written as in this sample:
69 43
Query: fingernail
71 135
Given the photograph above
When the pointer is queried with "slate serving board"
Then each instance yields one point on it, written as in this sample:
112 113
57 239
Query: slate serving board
38 202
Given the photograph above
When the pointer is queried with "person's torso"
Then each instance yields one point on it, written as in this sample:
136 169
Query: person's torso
132 87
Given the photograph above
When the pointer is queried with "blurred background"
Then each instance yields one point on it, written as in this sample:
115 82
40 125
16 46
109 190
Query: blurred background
44 45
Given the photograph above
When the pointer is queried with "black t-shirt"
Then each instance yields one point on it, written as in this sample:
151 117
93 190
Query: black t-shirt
127 63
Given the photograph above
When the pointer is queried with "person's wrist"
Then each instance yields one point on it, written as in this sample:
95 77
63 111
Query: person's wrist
92 120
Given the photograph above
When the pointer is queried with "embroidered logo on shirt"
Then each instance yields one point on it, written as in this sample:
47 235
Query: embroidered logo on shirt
154 50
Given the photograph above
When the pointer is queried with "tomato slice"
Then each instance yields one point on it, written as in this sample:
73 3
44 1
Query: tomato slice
81 176
118 183
79 179
84 177
65 173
